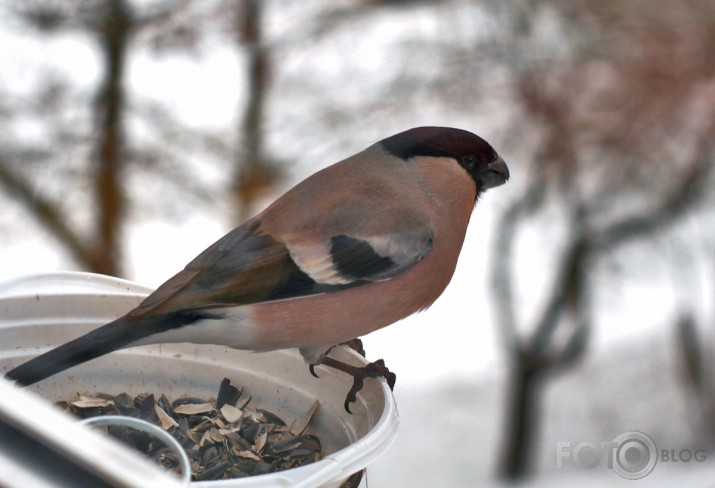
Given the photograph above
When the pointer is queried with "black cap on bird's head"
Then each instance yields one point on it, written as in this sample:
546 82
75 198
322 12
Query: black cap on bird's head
473 153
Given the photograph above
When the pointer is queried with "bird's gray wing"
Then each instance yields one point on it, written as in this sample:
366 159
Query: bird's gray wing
249 266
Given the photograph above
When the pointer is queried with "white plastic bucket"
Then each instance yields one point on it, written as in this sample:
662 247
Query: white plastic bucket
40 312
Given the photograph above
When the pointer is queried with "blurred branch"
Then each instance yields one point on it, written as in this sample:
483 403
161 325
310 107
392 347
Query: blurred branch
689 342
47 213
501 270
536 356
694 185
337 16
598 136
255 173
176 135
695 359
160 12
111 23
91 15
567 295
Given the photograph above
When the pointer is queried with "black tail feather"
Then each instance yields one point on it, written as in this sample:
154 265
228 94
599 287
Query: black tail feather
115 335
110 337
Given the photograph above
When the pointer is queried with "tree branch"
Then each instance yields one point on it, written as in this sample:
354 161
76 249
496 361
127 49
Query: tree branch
255 173
569 290
501 269
686 194
567 294
47 213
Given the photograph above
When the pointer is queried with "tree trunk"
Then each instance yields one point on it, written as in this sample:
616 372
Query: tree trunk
251 172
105 256
521 421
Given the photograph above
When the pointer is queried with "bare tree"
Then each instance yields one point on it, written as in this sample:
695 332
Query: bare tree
601 144
111 23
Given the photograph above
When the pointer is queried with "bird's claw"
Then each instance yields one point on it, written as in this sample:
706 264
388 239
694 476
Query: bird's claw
375 369
355 345
379 370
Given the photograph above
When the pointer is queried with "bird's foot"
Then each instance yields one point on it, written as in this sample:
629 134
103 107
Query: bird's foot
375 369
355 345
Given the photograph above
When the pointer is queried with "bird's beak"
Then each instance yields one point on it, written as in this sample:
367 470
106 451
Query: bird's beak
497 173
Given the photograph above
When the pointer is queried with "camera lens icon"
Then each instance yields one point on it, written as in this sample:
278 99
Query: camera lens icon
635 455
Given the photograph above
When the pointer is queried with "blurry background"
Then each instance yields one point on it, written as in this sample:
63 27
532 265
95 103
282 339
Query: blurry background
136 133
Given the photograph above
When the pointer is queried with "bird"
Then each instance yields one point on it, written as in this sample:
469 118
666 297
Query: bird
355 247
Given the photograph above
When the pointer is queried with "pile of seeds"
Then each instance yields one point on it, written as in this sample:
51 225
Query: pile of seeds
224 439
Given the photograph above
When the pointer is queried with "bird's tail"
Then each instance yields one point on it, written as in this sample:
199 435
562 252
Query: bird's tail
121 333
110 337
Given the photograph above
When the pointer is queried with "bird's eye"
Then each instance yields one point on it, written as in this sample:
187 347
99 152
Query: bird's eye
469 162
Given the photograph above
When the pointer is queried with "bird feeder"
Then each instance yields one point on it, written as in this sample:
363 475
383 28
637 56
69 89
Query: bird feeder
38 313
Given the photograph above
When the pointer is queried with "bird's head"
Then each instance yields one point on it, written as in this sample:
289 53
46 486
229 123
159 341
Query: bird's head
470 151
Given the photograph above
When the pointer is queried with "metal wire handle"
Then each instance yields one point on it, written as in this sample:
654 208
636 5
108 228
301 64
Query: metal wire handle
161 434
